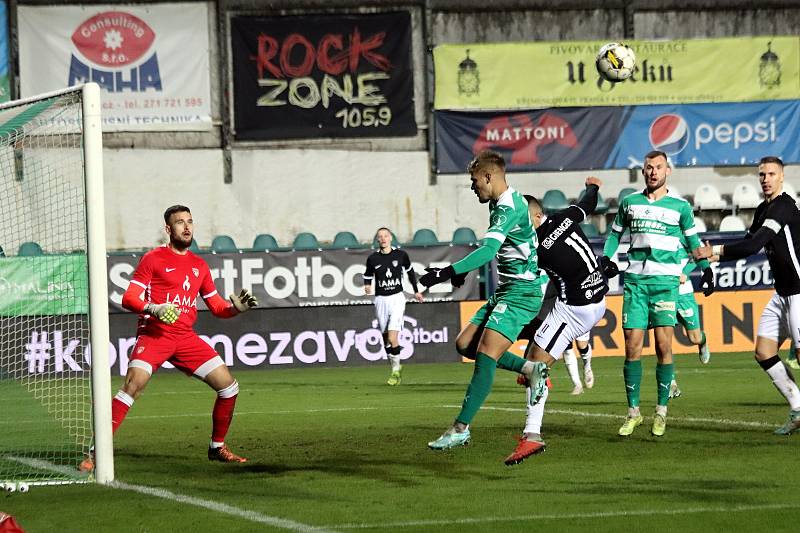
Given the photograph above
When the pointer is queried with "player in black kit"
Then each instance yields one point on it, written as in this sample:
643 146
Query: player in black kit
576 273
386 266
776 228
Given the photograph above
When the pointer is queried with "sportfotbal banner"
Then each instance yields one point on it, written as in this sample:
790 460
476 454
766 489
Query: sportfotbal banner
563 74
151 61
311 76
576 138
305 278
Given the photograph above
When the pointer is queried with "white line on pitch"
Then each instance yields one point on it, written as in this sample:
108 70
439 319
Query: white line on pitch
568 412
253 516
573 516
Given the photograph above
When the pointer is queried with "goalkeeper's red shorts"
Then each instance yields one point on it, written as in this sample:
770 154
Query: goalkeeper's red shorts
188 353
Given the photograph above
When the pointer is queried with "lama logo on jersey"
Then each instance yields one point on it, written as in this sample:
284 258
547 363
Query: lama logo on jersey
524 137
669 133
113 46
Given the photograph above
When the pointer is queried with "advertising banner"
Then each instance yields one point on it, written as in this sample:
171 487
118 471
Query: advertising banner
729 319
562 74
5 87
302 279
618 137
151 61
298 77
45 285
259 339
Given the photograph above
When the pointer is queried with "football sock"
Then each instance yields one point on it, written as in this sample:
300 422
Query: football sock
119 408
533 424
479 387
664 375
510 361
661 410
586 356
632 372
703 339
572 367
222 415
393 353
782 380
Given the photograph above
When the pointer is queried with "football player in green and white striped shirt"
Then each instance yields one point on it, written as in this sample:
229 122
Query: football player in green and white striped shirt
511 238
656 221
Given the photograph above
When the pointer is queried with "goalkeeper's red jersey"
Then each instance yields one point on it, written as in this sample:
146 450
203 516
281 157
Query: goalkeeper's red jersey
168 277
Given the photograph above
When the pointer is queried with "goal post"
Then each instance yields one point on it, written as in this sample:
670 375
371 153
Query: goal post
55 382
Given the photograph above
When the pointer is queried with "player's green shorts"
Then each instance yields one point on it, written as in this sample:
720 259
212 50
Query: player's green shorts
688 312
647 305
510 308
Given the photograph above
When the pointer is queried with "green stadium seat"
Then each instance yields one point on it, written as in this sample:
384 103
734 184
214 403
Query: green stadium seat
464 236
602 205
589 229
194 248
424 237
223 244
345 239
554 200
29 249
627 191
305 241
264 242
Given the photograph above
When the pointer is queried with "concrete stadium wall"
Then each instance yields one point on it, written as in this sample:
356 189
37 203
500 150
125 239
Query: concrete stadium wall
325 185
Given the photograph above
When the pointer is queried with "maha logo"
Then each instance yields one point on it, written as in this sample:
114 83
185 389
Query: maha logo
112 42
669 133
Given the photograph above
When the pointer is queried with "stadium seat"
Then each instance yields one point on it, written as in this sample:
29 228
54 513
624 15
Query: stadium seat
746 196
627 191
602 205
265 242
732 223
305 241
464 236
223 244
194 248
424 237
589 229
346 240
29 249
789 189
708 197
700 225
554 200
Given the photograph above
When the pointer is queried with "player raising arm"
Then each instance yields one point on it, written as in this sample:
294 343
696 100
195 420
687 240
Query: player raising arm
776 228
164 290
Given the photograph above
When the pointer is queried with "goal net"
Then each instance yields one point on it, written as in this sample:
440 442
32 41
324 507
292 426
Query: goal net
50 161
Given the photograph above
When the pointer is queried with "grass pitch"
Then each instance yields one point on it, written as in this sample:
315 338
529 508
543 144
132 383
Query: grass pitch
338 450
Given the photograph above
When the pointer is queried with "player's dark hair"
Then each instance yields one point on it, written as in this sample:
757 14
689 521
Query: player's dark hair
485 159
175 209
532 200
771 159
657 153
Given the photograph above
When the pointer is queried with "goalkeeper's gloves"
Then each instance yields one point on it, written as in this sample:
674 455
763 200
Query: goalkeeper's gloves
166 313
610 268
244 301
707 281
436 275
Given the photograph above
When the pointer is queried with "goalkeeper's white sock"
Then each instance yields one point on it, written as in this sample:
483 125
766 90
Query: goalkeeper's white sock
572 367
533 423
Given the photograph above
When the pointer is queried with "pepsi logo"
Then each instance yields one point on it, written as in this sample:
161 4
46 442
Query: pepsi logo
669 133
113 38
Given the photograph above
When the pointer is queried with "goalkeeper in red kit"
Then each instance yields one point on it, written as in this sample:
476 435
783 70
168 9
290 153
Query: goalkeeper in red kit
164 291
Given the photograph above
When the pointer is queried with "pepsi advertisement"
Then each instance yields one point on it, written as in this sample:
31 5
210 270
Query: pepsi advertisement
619 137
